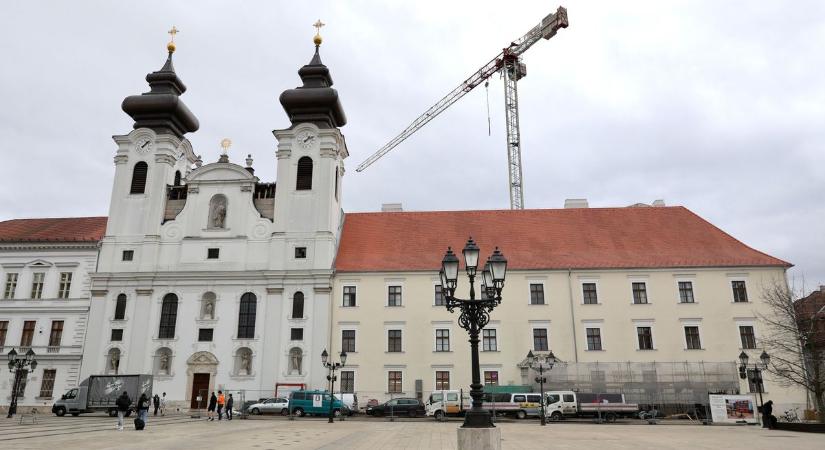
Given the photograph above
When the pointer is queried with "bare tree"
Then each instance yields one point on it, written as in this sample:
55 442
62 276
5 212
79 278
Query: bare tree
795 339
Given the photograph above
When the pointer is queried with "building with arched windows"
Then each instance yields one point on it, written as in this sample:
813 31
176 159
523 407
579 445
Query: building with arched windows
209 278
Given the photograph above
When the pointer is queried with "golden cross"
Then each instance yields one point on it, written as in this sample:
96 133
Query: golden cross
318 26
173 32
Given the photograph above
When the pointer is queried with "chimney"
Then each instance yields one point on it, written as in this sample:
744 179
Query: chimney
658 202
391 207
575 203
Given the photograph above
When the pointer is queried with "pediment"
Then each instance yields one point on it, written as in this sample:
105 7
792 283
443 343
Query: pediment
220 172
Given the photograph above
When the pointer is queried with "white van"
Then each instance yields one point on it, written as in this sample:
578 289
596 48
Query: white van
521 405
350 400
447 403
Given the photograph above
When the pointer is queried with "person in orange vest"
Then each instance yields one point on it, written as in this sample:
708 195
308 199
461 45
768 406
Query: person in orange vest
221 402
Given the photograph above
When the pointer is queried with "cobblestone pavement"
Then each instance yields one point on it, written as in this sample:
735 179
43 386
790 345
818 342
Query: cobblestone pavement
182 432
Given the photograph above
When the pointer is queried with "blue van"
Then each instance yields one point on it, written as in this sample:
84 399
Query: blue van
315 403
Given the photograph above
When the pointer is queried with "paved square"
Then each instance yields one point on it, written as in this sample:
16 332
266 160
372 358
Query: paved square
182 432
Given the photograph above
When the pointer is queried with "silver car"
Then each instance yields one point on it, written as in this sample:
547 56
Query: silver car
270 406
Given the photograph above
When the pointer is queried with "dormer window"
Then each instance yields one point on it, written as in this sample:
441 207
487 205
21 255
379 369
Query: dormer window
303 181
139 178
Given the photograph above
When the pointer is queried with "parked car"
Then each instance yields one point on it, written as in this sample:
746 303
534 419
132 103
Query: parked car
411 407
270 406
315 403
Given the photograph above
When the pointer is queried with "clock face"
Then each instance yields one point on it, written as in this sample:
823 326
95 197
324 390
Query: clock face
144 145
306 139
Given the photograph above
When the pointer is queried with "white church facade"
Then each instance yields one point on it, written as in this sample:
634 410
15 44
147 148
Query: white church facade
209 278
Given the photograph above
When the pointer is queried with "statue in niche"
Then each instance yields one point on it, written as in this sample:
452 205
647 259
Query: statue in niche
246 363
217 212
164 363
295 358
209 310
114 361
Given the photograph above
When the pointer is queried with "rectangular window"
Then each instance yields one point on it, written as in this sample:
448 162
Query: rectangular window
117 335
639 293
205 334
21 388
692 338
488 340
439 296
686 291
348 340
47 385
442 380
393 295
300 252
442 340
747 336
65 285
491 378
11 285
37 284
540 343
589 293
128 255
296 334
393 340
56 335
28 334
594 338
213 253
4 328
740 292
394 381
349 296
536 294
645 336
347 381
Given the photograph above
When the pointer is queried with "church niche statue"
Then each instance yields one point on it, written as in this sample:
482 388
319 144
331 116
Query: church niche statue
114 361
295 360
217 212
245 363
209 309
163 363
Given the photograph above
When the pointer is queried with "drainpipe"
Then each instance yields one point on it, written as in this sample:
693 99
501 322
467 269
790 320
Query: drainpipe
572 314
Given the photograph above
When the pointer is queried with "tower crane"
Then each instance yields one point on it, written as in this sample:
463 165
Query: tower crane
509 63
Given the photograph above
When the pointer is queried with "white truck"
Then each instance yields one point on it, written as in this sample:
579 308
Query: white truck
447 403
606 407
100 393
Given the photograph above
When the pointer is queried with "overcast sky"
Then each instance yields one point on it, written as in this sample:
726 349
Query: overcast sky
716 106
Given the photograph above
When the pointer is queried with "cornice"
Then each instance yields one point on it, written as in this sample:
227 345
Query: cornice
86 245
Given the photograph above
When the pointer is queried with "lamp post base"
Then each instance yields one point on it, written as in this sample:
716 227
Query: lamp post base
479 438
480 418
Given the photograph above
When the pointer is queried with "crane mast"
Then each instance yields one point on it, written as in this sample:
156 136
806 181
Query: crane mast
508 62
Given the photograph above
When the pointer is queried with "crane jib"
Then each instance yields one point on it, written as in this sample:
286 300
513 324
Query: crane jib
508 59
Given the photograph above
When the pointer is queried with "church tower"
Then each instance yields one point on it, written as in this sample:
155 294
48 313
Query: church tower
310 156
150 161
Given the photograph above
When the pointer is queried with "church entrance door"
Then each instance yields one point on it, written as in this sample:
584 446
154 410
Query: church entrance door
200 388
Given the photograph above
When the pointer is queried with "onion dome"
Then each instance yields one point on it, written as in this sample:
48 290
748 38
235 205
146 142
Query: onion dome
314 102
161 109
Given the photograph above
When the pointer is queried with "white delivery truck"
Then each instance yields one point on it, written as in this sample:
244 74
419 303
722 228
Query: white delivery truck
100 393
607 407
447 403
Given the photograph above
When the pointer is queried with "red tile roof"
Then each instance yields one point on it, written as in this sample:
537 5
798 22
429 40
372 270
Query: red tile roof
585 238
64 229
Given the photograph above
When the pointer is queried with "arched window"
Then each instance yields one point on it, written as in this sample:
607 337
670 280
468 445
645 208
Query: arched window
298 305
120 307
177 178
304 180
168 316
139 178
246 316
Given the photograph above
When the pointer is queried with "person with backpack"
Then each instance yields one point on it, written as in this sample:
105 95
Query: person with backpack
229 403
123 402
221 403
156 403
143 411
210 409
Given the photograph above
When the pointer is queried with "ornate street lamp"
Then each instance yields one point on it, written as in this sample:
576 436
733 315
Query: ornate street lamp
17 366
475 313
332 367
753 373
540 363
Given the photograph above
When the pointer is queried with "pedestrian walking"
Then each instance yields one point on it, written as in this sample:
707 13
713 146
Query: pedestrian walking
163 405
229 403
768 419
123 402
210 410
156 403
143 408
221 403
